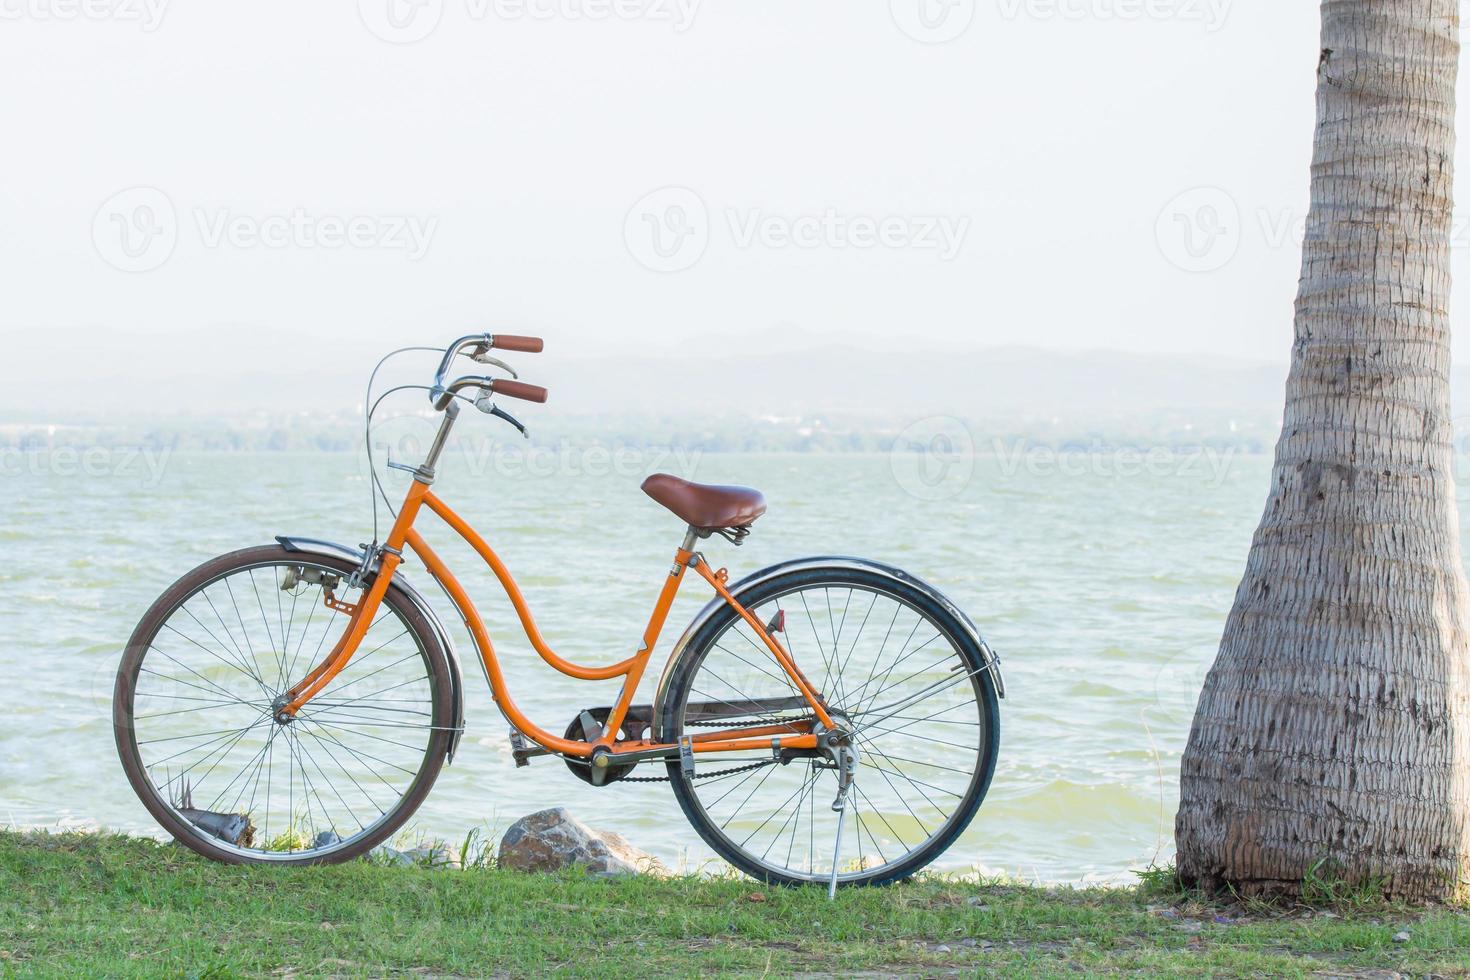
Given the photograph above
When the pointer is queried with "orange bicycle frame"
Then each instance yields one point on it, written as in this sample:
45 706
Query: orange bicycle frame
631 670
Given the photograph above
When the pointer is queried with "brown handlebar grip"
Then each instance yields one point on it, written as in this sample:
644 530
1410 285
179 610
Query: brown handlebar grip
518 389
509 341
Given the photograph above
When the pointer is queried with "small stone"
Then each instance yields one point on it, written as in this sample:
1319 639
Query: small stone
975 901
756 897
942 948
552 839
327 927
1166 913
438 857
1401 937
967 942
383 854
325 839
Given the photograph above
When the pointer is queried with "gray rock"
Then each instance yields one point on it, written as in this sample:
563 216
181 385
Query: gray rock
325 839
1401 937
436 856
552 839
383 854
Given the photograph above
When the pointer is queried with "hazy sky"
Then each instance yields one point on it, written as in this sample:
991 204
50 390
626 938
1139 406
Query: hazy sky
1071 173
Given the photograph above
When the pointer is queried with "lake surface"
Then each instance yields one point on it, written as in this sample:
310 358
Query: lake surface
1102 581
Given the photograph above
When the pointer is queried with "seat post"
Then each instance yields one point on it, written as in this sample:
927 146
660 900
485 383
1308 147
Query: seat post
690 537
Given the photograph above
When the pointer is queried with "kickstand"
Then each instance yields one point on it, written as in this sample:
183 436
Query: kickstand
846 773
841 807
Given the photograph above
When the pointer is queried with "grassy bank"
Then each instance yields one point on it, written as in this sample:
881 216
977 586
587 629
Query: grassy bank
75 905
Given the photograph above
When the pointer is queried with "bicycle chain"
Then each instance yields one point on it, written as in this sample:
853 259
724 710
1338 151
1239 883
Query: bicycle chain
717 772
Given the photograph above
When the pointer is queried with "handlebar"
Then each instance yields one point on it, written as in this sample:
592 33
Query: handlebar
510 341
476 345
518 389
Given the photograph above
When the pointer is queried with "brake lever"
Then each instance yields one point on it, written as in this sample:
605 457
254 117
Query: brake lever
481 355
500 413
483 403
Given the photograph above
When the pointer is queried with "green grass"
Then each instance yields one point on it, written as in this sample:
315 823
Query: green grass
95 905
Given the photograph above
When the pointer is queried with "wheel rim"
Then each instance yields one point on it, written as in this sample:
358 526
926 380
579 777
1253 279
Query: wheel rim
201 722
920 720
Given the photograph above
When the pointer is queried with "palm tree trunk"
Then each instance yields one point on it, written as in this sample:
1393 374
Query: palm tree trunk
1333 733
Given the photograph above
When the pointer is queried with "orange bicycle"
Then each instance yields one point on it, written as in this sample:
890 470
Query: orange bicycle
829 720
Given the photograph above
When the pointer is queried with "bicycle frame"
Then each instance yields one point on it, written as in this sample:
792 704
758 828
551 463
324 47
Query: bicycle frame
796 735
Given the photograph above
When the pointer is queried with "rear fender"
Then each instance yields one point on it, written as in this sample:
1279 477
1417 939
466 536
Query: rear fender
755 579
315 546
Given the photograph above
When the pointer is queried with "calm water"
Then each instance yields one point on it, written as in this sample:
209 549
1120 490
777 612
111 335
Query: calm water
1103 592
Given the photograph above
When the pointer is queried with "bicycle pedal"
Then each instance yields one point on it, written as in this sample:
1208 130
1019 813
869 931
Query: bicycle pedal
521 750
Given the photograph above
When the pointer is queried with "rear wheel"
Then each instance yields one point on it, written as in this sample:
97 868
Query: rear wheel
898 671
199 738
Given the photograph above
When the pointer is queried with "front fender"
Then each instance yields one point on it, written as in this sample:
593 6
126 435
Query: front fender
315 546
804 564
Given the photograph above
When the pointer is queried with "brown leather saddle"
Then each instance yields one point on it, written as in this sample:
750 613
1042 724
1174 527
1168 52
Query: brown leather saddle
706 507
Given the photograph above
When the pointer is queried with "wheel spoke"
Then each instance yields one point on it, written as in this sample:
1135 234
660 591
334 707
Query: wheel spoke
346 763
908 788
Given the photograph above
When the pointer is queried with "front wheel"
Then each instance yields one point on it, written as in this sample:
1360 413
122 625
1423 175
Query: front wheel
199 738
897 669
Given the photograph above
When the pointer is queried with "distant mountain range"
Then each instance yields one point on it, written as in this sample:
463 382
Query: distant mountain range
254 377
